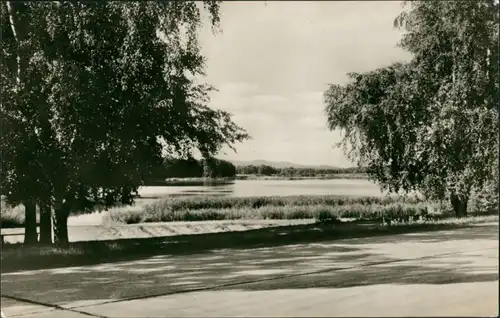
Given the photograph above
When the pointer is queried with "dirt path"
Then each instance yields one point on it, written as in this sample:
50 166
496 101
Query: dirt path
436 273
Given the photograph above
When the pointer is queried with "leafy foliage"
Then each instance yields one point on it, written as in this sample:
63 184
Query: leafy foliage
192 168
430 124
97 92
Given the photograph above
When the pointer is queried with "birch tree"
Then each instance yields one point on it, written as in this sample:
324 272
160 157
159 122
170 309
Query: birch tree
430 124
114 87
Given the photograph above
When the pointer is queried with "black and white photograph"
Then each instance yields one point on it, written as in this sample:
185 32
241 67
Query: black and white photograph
249 158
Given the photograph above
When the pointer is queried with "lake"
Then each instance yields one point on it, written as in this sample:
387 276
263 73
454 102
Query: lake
250 188
246 188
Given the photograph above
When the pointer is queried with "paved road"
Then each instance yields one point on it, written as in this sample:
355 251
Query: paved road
447 273
161 229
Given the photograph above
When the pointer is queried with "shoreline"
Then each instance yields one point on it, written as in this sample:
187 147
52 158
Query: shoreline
202 180
17 257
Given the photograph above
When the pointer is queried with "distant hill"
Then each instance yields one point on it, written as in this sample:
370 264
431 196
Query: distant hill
278 164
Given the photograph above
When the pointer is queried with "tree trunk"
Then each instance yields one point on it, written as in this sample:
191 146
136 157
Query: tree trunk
45 223
20 35
30 234
459 204
60 222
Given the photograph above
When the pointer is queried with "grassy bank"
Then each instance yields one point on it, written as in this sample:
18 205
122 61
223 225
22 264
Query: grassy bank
322 208
17 257
157 213
208 208
209 202
274 208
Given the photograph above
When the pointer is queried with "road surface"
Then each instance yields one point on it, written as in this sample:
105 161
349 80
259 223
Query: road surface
446 273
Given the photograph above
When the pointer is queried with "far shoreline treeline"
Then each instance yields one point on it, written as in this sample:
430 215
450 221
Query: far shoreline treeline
222 169
290 172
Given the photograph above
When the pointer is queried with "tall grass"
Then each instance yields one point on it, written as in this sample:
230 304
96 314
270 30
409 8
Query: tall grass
276 208
203 202
154 213
211 208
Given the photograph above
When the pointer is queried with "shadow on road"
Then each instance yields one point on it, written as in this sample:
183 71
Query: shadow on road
338 264
444 271
16 257
480 231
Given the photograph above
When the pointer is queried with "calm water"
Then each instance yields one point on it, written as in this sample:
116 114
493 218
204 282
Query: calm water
248 188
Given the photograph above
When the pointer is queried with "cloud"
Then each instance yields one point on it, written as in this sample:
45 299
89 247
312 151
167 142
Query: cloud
273 61
269 98
238 88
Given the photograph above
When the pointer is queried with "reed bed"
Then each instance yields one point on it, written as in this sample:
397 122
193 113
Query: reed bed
208 202
272 208
213 208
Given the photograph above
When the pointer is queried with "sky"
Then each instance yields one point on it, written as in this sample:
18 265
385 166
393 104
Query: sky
273 60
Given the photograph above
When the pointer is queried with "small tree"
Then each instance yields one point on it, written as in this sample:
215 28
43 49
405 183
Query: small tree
266 170
250 169
225 169
209 165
